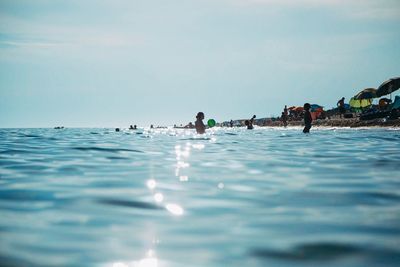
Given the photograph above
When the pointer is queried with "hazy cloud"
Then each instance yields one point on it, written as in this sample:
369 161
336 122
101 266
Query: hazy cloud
359 9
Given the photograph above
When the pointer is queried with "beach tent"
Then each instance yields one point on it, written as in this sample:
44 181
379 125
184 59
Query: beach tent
316 111
388 87
366 93
360 103
315 107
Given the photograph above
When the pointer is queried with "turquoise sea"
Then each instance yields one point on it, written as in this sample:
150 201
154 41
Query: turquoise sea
170 198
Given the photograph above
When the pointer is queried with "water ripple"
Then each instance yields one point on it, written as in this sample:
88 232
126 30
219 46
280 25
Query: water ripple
107 149
129 204
322 252
232 197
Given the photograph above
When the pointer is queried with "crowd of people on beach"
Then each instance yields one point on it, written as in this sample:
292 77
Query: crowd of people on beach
303 113
386 108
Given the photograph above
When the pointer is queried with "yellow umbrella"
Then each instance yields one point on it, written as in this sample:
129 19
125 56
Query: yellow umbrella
360 103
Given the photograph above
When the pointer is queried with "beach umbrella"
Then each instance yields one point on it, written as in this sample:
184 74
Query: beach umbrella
360 103
388 87
367 93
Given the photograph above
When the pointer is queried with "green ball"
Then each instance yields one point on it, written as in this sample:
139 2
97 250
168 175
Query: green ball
211 122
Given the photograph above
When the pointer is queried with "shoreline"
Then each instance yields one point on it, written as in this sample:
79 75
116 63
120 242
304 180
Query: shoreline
348 123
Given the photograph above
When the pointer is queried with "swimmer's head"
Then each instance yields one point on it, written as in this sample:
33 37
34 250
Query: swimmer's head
200 116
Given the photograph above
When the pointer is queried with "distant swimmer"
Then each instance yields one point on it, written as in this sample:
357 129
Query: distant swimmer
249 123
199 125
189 125
307 118
117 129
132 127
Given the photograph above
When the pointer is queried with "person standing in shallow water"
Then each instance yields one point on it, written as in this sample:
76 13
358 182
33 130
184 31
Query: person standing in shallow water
284 119
249 123
307 118
199 125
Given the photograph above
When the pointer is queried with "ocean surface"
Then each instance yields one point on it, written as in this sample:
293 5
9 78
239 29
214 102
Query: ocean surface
170 198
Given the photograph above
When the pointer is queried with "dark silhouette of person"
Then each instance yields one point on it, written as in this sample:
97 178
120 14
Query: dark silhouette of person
249 123
284 119
285 111
231 123
340 104
199 125
307 118
117 129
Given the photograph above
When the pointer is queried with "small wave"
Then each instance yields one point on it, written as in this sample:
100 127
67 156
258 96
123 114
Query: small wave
26 195
16 151
30 135
320 252
7 260
387 163
129 203
196 139
378 196
310 252
106 149
5 162
117 158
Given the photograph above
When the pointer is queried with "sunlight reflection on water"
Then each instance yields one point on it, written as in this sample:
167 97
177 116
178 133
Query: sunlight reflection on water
232 197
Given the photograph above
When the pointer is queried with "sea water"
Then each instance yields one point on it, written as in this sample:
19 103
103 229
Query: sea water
170 198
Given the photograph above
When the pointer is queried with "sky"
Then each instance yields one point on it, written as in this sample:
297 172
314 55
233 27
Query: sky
112 63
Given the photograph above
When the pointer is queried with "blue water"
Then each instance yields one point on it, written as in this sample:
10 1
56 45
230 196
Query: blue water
168 198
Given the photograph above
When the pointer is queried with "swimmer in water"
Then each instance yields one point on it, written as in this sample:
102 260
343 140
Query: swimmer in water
199 125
